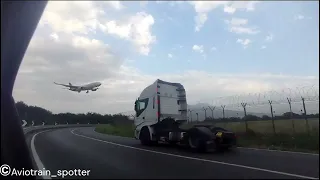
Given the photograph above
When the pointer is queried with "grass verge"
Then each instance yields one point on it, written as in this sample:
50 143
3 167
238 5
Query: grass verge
299 142
119 130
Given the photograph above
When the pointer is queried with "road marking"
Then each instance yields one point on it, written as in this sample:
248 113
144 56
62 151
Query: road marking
36 156
273 150
193 158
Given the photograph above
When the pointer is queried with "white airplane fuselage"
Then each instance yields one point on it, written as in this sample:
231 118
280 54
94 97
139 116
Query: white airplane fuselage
88 87
91 86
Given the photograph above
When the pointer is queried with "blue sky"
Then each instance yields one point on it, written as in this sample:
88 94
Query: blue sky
258 47
294 45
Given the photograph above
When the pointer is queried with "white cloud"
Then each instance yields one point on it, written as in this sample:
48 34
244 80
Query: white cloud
263 47
238 26
170 56
62 18
243 30
244 42
54 36
198 48
202 8
200 20
301 17
229 9
86 17
137 29
237 22
269 37
115 4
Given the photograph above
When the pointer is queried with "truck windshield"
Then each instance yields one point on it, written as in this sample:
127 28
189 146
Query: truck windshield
140 106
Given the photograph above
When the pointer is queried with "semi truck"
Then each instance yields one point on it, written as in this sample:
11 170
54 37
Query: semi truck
161 110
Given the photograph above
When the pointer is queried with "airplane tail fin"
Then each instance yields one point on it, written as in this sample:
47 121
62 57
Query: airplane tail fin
70 84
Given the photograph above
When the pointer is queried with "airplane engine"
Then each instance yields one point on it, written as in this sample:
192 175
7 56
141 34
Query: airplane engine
79 89
94 89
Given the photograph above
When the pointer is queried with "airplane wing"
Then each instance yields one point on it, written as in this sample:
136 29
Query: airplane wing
65 85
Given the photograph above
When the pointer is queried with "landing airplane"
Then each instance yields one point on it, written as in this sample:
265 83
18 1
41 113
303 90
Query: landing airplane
92 86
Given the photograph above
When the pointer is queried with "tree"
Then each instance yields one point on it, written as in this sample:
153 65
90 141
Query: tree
265 117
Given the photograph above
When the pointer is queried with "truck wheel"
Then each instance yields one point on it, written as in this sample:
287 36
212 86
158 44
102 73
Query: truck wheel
196 144
145 136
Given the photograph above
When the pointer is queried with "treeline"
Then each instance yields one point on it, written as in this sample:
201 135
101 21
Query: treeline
40 115
286 115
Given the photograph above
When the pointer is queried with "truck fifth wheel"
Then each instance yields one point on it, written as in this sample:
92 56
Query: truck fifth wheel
161 109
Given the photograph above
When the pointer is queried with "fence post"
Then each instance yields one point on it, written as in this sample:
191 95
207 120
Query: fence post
245 114
291 114
223 106
272 118
205 113
223 115
212 109
197 117
212 113
305 115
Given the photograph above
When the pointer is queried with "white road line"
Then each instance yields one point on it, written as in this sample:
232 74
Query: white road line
198 159
36 156
273 150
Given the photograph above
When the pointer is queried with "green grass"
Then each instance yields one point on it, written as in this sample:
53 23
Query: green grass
299 142
265 127
119 130
260 134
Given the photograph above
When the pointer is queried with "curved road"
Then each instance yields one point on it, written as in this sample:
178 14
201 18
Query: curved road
109 156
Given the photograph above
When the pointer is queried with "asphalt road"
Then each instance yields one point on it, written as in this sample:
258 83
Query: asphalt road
109 156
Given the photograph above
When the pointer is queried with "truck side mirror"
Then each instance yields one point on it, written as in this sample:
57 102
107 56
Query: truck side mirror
135 105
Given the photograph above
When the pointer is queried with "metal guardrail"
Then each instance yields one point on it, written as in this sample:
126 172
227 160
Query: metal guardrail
31 129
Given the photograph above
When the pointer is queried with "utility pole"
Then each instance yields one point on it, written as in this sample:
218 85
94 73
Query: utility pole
305 115
291 115
245 114
272 118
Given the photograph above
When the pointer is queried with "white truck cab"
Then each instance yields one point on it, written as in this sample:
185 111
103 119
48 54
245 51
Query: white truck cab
160 109
159 101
